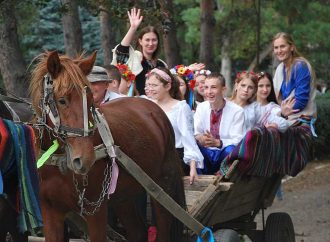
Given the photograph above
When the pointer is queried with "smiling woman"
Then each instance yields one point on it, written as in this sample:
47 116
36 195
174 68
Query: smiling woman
293 81
244 95
145 58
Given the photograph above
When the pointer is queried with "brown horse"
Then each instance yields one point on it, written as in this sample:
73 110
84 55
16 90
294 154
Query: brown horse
138 126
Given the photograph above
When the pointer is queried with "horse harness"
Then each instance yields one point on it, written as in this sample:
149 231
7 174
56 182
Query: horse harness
108 149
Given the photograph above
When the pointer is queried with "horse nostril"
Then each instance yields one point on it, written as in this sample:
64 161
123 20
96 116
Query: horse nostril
77 164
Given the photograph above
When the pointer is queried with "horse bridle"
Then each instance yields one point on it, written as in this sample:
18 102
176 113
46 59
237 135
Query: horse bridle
48 106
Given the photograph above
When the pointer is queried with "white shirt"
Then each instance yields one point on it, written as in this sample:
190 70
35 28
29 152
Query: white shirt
258 115
110 95
270 113
231 124
181 118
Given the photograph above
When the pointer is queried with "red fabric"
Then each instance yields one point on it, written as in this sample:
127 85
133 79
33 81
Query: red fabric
3 138
215 123
152 234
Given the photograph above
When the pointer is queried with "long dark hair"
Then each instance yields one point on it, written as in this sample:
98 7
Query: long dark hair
271 97
145 30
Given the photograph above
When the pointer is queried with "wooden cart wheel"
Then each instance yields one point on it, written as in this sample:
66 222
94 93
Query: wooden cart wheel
226 235
279 228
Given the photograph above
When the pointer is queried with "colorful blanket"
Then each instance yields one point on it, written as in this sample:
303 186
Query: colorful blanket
264 152
17 150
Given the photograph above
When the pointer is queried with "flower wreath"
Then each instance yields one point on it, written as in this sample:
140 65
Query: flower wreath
246 73
187 74
126 72
203 72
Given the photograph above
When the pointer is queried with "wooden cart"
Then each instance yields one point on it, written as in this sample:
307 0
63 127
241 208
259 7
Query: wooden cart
230 204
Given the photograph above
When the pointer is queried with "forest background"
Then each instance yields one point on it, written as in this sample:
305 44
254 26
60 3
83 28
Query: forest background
227 35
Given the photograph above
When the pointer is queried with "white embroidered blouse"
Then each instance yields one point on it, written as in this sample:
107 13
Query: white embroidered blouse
181 118
258 115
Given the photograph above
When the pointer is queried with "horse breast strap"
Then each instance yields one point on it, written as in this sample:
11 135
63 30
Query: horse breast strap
105 133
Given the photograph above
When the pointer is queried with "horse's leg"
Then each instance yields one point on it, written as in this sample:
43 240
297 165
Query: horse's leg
132 221
97 224
163 222
4 208
19 237
53 223
169 228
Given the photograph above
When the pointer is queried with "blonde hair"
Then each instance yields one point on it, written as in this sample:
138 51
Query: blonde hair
246 75
296 55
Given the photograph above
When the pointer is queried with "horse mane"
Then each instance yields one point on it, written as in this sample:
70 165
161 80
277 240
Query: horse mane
70 78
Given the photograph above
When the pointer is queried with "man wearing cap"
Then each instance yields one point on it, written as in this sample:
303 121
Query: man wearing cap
99 84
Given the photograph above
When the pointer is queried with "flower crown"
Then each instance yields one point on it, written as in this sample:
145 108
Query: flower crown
203 72
187 74
246 73
126 72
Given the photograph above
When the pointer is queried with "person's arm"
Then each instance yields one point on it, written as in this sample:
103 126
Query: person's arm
198 123
192 155
303 85
135 20
196 66
282 123
237 127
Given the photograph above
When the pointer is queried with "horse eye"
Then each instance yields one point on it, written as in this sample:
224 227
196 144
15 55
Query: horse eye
62 101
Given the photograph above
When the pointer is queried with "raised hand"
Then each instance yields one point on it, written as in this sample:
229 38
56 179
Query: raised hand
135 17
196 66
287 107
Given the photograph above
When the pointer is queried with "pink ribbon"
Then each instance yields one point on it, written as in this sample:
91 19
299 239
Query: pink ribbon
114 178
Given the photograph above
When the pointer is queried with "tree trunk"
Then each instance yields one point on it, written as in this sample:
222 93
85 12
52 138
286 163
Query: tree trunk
170 41
207 33
107 35
73 41
12 65
226 65
263 54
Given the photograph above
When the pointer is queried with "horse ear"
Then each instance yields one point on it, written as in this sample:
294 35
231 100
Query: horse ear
87 64
54 64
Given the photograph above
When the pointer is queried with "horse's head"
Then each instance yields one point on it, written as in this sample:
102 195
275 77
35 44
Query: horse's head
62 98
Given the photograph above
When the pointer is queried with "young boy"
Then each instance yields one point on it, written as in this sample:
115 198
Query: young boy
218 124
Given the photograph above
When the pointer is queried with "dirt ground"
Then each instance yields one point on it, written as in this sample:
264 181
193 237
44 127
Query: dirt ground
307 200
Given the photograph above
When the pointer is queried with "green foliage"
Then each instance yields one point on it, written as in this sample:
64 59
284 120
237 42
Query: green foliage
45 33
91 34
307 20
322 142
189 34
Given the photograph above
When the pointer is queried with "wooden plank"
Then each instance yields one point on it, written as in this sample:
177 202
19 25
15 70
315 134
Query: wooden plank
202 199
252 197
242 197
225 186
191 197
229 214
42 239
201 183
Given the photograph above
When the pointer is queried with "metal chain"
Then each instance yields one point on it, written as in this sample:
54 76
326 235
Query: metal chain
81 194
